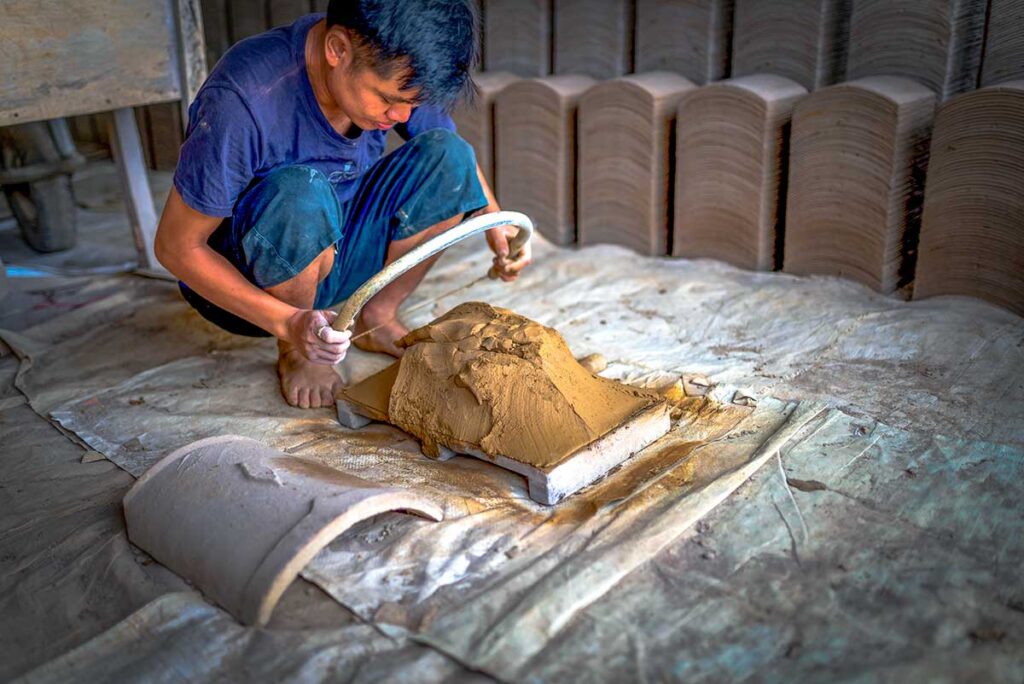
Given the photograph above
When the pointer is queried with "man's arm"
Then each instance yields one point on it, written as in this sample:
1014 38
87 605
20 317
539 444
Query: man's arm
497 239
427 117
181 246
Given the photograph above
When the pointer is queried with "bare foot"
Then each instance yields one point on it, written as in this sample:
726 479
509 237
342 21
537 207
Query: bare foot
386 329
305 384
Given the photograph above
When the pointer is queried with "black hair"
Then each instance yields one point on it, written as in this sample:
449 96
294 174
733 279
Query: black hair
433 41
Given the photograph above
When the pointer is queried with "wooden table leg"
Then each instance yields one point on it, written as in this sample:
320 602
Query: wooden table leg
131 165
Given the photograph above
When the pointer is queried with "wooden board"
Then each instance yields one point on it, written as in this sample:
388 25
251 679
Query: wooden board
131 166
247 18
366 401
164 131
67 57
215 29
283 12
4 286
369 398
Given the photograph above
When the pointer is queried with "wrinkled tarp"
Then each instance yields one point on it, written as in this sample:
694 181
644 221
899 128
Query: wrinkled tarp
949 366
820 570
872 554
500 567
181 638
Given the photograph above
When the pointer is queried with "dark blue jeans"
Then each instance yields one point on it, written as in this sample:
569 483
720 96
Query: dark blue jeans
284 221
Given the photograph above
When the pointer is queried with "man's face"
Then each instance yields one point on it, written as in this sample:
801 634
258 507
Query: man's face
370 101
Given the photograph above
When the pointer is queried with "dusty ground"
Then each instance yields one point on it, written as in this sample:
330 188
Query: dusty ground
893 554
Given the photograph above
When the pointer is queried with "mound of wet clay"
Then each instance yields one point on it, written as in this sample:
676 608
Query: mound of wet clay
488 378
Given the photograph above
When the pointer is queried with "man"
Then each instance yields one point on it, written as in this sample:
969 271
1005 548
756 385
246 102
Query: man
282 203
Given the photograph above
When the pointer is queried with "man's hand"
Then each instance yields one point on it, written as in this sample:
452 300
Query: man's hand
311 334
507 265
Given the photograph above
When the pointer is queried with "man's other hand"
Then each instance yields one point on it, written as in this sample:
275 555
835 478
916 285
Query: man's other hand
507 265
310 333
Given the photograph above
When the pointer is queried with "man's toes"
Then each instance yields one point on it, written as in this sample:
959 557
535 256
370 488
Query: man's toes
304 398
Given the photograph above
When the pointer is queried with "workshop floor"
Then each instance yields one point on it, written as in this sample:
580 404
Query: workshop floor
884 542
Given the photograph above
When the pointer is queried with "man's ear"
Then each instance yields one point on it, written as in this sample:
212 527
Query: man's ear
338 47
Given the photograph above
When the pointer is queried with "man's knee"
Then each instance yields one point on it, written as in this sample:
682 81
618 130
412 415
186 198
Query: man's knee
287 221
297 184
445 146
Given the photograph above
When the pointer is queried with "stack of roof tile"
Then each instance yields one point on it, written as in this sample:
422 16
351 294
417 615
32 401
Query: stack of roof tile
475 121
935 42
730 155
625 160
856 169
972 232
690 37
535 142
804 40
593 37
517 36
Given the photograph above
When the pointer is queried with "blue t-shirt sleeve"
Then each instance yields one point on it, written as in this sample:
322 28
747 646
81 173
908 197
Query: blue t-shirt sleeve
425 118
221 152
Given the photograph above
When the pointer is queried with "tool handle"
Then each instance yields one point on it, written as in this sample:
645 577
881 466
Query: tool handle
351 307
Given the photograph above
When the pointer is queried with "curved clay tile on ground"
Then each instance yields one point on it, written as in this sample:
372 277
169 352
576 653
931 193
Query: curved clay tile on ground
240 520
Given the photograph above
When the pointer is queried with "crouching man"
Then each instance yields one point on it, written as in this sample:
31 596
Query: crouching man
283 203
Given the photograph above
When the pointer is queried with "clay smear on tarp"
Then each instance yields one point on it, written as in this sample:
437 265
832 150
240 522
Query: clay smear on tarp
488 377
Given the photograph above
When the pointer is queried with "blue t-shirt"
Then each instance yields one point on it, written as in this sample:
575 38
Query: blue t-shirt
257 112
